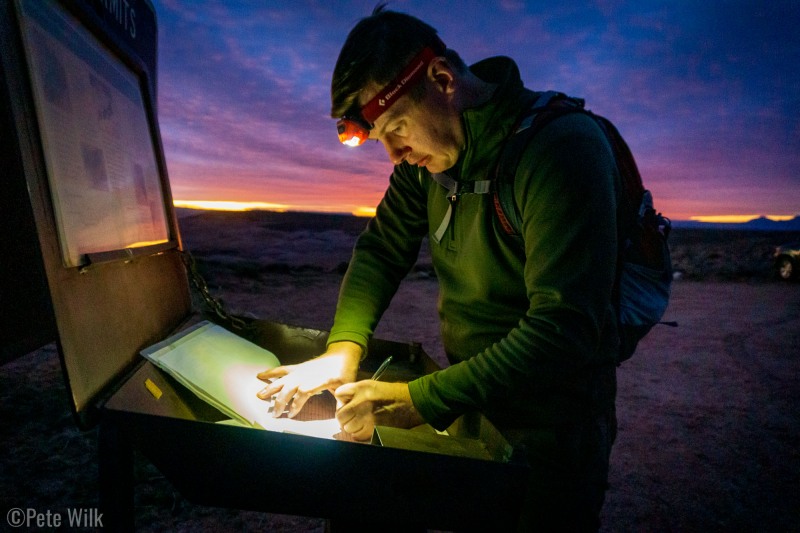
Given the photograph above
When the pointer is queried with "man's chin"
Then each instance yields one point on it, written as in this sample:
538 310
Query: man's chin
436 167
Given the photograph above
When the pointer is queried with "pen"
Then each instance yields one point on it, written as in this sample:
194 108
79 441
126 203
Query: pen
381 369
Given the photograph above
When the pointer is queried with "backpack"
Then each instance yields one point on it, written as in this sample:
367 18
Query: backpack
644 273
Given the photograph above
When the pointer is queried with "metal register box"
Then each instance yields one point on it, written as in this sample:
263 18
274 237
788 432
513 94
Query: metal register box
78 92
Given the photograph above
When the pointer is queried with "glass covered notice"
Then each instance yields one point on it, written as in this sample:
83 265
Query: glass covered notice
97 141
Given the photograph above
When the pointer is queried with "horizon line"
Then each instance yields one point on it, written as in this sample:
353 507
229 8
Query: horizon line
739 219
232 205
365 211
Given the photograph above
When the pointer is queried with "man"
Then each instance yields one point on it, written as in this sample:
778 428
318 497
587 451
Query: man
530 333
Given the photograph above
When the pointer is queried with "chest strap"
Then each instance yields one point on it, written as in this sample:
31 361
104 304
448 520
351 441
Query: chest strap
454 190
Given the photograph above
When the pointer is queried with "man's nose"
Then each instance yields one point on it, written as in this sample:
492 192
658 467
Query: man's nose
397 152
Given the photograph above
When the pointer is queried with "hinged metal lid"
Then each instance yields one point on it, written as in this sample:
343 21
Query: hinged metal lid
80 91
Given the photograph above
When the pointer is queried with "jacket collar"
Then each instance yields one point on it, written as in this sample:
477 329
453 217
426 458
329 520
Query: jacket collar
487 126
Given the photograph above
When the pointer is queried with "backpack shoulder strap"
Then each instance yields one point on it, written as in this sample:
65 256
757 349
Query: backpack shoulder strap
548 106
552 106
632 188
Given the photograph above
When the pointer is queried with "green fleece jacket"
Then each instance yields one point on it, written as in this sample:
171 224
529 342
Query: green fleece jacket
525 331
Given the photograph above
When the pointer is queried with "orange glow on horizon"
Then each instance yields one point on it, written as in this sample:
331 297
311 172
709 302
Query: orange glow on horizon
364 211
223 205
738 218
367 211
231 205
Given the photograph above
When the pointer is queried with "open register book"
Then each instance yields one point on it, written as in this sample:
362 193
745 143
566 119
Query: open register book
220 367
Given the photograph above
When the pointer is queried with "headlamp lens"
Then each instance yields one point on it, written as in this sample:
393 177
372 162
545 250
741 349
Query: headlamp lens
351 132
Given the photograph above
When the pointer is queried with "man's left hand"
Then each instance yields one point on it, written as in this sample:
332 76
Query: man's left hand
364 404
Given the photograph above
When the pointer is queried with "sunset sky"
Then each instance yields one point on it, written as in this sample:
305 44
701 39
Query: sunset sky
706 93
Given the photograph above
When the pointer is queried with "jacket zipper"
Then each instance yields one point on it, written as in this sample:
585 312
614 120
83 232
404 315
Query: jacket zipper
453 199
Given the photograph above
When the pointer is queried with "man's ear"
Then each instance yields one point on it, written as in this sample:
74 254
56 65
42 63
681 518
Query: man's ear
441 73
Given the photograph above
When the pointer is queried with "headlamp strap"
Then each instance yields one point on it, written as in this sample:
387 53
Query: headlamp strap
398 86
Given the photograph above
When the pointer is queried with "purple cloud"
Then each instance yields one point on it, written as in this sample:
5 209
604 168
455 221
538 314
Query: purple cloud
705 93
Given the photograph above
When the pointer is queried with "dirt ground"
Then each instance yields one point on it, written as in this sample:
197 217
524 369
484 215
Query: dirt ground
709 429
708 416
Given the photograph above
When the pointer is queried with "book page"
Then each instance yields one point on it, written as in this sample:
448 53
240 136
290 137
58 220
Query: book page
220 367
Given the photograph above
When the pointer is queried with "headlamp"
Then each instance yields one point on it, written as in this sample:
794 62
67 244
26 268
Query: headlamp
354 131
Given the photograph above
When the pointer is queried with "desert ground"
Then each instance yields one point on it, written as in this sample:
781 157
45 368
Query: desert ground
709 430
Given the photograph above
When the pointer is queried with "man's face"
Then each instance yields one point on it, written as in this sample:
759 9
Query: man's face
427 133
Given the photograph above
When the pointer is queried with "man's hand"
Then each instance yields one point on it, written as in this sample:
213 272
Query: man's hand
364 404
297 383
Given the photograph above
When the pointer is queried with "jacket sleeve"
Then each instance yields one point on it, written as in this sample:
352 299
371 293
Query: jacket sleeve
383 255
565 188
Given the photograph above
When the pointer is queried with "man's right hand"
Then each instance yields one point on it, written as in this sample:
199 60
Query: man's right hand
297 383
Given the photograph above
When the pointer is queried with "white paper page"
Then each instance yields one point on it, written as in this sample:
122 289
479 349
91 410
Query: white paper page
324 429
220 367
